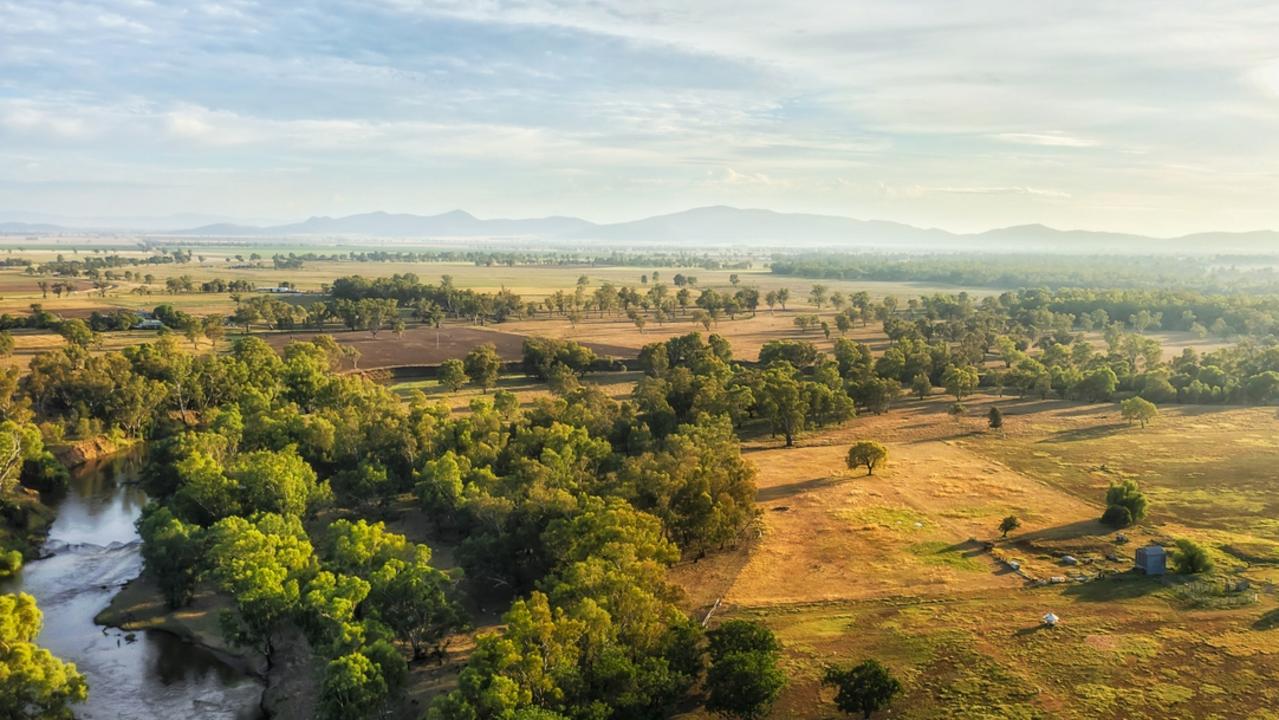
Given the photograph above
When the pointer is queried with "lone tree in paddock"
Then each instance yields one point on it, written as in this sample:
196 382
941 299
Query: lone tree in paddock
1138 409
863 689
867 453
1008 524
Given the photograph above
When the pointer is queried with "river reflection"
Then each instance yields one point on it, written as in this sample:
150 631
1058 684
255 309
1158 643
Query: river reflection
93 549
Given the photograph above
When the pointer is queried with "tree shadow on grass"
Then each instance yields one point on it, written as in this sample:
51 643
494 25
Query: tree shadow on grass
778 492
916 426
1269 621
1089 433
1069 531
968 548
1124 586
1191 410
1013 406
1084 409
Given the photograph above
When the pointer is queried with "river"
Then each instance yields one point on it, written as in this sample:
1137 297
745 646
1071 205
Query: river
93 549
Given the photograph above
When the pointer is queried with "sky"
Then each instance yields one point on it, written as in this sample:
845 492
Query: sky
1151 117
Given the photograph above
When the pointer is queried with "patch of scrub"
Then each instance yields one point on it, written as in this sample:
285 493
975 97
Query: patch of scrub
1168 694
1246 643
1095 697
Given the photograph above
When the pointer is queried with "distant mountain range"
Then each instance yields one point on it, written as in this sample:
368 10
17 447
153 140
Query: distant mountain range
380 224
22 228
17 221
719 226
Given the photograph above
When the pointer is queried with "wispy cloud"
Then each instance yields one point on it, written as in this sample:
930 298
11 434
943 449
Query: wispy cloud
980 113
1047 139
918 191
1036 192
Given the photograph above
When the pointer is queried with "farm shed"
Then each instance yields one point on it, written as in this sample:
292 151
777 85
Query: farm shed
1152 560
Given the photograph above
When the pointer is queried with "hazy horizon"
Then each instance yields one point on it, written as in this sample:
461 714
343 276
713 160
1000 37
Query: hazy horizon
180 221
1146 118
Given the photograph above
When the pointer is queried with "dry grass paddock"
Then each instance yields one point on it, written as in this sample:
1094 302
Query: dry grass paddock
896 566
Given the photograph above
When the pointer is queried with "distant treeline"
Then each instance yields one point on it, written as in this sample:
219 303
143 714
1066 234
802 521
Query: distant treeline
1206 274
513 258
94 265
1222 315
956 342
407 291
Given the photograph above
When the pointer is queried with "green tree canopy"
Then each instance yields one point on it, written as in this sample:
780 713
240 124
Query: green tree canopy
352 688
413 600
452 374
781 401
173 551
34 684
960 381
261 562
863 689
1138 409
1125 504
868 454
743 680
921 385
1191 558
483 365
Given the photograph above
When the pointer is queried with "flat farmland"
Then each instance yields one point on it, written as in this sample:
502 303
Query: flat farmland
18 290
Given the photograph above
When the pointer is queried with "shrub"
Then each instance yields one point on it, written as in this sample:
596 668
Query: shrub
10 563
995 418
45 473
1117 516
1190 558
1128 496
